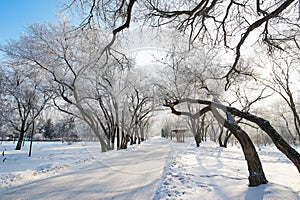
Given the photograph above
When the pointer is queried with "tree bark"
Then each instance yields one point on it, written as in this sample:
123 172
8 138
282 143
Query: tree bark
227 136
20 141
265 125
31 139
198 139
256 173
21 137
279 142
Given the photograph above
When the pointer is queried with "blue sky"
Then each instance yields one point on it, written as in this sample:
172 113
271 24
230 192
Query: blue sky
15 15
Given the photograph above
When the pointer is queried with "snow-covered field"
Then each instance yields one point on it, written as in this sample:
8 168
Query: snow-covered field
156 169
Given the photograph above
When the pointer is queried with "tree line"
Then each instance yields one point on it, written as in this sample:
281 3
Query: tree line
211 70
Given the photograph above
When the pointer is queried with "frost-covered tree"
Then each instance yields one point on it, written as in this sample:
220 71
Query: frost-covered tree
227 24
283 78
88 85
48 129
256 174
26 97
2 101
69 60
141 105
191 73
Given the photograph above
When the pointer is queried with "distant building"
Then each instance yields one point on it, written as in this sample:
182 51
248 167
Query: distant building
179 133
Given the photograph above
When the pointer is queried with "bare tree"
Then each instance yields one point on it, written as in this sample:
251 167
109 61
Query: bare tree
3 103
256 173
194 73
140 109
28 99
284 80
226 23
68 60
251 156
245 95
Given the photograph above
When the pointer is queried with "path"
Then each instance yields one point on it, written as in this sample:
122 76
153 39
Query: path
120 175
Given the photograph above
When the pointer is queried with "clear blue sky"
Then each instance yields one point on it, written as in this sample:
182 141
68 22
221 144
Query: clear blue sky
15 15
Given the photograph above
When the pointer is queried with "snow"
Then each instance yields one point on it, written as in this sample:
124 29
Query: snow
157 169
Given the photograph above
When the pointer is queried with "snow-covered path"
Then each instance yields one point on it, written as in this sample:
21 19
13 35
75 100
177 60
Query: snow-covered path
113 175
158 169
213 172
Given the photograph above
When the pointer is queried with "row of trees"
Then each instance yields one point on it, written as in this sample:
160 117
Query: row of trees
209 65
189 83
58 66
225 26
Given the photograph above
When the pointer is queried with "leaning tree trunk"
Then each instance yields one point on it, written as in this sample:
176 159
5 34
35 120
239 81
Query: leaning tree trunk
256 173
279 142
265 125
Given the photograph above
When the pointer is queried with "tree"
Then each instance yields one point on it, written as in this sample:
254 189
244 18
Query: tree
87 86
256 174
226 24
27 97
194 73
245 95
284 82
140 109
69 61
217 23
48 129
2 101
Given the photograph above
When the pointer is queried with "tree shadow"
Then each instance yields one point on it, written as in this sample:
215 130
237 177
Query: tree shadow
271 191
256 193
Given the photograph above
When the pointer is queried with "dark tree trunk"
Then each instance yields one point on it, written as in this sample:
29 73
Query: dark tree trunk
118 137
125 141
256 173
220 137
131 140
279 142
198 139
21 137
20 141
31 139
265 125
227 136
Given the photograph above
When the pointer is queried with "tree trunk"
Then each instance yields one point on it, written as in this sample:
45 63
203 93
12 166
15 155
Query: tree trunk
31 139
279 142
227 136
104 147
220 136
198 139
142 138
256 173
21 137
20 141
125 141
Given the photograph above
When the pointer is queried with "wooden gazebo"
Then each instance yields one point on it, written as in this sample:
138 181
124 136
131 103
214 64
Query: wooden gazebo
179 134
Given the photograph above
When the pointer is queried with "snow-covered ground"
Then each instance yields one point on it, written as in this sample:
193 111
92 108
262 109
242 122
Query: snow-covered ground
156 169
